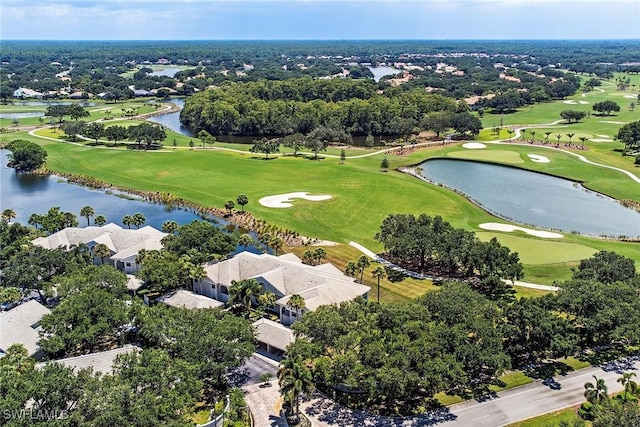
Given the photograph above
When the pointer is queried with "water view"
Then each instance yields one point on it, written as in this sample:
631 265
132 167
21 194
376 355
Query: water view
533 198
380 72
28 193
168 72
172 120
20 115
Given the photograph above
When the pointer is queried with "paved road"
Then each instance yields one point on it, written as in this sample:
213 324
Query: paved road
506 408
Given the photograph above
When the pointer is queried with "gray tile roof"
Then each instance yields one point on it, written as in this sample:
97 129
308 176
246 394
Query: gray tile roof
273 333
122 242
100 362
18 326
186 299
323 284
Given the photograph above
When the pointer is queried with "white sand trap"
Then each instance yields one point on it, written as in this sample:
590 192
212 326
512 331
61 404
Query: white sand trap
538 158
284 200
494 226
612 122
604 136
571 102
601 140
474 145
631 96
583 102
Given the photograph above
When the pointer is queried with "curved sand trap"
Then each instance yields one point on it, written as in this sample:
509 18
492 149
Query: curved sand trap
474 145
284 200
538 159
603 136
601 140
631 96
494 226
569 102
583 102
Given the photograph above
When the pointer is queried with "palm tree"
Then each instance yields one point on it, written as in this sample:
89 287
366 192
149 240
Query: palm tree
379 273
297 303
533 135
245 240
87 212
307 258
127 220
363 263
265 238
510 132
8 215
583 139
558 136
570 135
242 200
319 254
101 250
169 227
630 386
546 137
294 378
276 243
138 219
35 220
100 220
242 291
595 392
351 269
267 300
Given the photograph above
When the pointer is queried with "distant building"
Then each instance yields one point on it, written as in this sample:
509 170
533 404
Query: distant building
284 276
20 326
24 92
124 244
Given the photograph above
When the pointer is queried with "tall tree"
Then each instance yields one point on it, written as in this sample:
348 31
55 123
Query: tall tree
294 379
363 263
101 251
128 221
297 303
138 219
8 215
596 392
379 273
25 156
87 212
100 220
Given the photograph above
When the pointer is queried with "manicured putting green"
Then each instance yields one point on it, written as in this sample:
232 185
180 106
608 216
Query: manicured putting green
502 156
534 251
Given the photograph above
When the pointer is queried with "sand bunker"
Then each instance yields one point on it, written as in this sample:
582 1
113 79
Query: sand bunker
284 200
538 159
474 145
583 102
603 136
571 102
612 122
494 226
601 140
631 96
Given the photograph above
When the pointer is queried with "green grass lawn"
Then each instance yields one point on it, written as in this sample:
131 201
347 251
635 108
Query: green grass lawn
362 195
551 419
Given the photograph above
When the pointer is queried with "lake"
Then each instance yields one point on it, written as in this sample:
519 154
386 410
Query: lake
20 115
172 120
168 72
532 198
380 72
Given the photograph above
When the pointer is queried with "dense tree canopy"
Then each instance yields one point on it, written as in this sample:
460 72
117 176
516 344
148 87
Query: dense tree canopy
25 156
200 240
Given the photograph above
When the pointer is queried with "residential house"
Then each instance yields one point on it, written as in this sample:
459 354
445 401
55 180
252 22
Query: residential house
124 244
273 337
284 276
20 326
101 362
23 92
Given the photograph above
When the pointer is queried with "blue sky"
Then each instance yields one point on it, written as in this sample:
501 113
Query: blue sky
318 19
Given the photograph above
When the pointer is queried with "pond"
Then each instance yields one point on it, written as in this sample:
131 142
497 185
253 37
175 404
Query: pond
380 72
535 199
29 193
167 72
20 115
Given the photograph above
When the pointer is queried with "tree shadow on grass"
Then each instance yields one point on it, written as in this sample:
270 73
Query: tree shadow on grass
548 370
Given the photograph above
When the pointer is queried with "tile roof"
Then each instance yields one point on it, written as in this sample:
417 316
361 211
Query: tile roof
187 299
18 326
273 333
100 362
